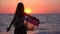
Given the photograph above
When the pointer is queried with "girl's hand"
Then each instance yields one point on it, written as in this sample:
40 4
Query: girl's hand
8 29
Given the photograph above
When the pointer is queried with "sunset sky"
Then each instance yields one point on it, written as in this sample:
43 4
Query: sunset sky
37 6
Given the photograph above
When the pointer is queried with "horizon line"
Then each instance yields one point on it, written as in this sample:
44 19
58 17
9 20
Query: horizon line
13 14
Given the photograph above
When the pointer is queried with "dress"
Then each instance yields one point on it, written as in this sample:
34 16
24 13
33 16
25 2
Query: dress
19 26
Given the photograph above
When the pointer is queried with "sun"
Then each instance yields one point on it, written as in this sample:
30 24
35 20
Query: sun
27 10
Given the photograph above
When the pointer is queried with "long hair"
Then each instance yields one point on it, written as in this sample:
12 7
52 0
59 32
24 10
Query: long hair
19 10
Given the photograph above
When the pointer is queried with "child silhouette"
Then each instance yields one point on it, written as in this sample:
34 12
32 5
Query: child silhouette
18 20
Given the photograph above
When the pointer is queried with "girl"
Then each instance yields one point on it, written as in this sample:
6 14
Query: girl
18 20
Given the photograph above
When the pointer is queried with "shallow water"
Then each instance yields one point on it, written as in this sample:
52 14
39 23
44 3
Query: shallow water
49 24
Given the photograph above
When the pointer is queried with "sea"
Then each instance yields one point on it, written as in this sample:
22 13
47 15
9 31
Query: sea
49 24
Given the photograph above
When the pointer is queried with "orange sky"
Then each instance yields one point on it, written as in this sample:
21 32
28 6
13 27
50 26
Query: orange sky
37 6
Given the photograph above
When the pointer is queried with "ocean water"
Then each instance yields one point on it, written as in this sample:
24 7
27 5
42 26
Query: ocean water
49 23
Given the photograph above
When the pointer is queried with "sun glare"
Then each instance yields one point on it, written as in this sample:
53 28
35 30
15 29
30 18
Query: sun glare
27 10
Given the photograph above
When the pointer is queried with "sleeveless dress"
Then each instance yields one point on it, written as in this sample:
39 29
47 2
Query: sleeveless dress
19 26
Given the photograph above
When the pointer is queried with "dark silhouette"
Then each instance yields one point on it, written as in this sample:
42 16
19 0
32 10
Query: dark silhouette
18 20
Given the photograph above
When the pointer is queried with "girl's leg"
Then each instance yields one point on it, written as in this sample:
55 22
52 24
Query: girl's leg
23 30
20 30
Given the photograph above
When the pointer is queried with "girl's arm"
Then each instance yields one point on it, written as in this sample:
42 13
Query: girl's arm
8 29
